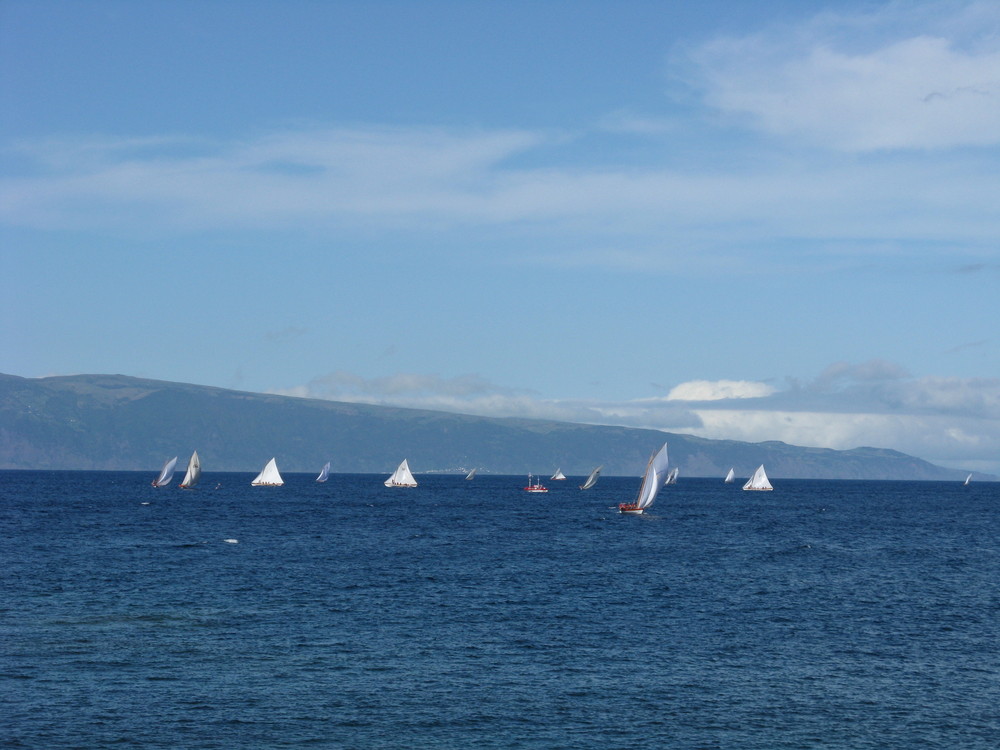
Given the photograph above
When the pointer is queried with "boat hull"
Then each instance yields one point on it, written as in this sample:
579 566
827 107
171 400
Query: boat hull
630 510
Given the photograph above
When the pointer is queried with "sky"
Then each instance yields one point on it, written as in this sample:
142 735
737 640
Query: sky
776 220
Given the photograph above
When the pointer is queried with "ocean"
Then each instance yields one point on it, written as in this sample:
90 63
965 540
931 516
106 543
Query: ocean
470 614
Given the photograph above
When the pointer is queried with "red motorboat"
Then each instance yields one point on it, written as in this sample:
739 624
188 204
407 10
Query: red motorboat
536 487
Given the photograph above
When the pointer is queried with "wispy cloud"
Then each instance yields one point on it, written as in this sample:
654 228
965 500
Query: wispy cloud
270 181
506 185
897 77
872 371
975 268
967 345
285 335
624 121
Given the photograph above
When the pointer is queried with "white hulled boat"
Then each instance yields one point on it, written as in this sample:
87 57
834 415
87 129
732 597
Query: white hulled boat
652 480
166 473
269 476
558 475
592 479
758 481
193 473
672 476
401 477
324 473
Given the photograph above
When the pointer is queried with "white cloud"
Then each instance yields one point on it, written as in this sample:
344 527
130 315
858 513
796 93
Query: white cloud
896 77
715 390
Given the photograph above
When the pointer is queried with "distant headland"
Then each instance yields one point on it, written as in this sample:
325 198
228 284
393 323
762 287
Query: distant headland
119 422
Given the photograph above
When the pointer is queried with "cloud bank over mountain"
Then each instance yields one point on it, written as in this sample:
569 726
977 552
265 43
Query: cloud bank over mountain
950 421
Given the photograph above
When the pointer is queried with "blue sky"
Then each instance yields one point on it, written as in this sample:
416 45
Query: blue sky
759 221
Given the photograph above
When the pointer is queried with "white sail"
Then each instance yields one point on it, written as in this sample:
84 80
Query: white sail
166 473
653 479
758 481
324 473
558 475
269 476
967 479
193 472
471 474
592 479
672 476
401 477
730 476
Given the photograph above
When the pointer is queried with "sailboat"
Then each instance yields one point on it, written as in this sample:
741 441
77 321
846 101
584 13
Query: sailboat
672 476
193 473
730 477
592 479
536 487
269 476
558 475
401 477
471 474
324 473
166 473
758 481
967 479
652 480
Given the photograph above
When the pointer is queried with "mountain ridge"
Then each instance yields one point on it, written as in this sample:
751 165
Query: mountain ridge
122 422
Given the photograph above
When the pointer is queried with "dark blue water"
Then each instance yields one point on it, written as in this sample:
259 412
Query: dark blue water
473 615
